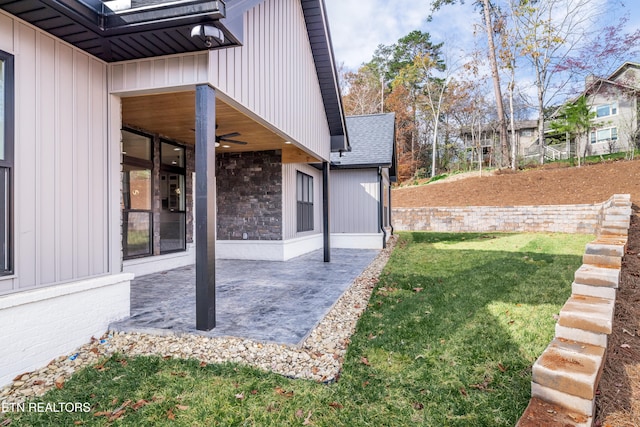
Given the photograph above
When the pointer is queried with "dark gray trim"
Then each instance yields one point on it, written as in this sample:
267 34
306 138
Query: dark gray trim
381 208
205 200
155 30
326 230
362 166
315 17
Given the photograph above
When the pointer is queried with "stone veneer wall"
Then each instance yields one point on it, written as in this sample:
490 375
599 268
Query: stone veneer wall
249 195
581 219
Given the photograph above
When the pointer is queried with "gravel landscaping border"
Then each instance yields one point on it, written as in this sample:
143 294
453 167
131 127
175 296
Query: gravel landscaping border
318 358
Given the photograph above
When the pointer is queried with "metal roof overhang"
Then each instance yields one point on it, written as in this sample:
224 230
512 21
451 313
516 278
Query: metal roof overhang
118 31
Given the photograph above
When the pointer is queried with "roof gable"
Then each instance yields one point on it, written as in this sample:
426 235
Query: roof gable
372 139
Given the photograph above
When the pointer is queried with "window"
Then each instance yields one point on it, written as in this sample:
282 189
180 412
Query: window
6 162
137 215
604 135
173 236
607 110
526 132
304 186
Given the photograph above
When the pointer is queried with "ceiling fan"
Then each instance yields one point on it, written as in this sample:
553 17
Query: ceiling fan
220 139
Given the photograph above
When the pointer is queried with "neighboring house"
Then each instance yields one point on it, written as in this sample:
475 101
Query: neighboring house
361 183
110 115
614 100
614 103
488 138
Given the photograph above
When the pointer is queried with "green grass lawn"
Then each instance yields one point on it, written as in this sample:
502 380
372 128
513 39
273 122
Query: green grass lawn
448 339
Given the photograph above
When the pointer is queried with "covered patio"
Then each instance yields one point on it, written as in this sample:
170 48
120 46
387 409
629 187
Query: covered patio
268 301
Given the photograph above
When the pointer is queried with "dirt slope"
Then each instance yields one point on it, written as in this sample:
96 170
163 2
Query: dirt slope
548 186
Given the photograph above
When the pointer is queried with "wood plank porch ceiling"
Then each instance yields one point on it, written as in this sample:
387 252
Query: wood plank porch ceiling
172 115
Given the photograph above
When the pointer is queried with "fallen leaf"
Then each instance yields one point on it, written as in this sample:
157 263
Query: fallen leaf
299 413
307 421
365 361
182 407
335 405
417 405
17 378
101 413
59 382
254 391
463 391
240 396
78 423
366 383
625 346
417 289
502 367
116 415
94 350
283 392
170 414
100 367
203 364
139 404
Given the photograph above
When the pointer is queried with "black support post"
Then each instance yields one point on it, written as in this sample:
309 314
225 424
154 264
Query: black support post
326 230
205 198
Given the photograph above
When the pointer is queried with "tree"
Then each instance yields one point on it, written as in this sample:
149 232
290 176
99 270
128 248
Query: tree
487 9
575 120
362 91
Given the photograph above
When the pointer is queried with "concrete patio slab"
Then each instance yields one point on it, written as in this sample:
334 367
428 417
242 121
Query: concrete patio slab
269 301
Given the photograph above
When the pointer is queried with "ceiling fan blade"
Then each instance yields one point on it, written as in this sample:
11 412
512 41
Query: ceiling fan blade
229 135
233 141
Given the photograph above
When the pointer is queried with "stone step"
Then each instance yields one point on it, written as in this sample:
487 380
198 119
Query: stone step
617 217
597 276
577 404
570 367
542 413
623 224
608 246
593 291
602 260
594 338
611 230
588 313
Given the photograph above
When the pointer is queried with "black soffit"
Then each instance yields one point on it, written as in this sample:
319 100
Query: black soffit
147 28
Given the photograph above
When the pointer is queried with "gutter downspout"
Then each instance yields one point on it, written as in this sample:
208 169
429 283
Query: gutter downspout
390 210
381 208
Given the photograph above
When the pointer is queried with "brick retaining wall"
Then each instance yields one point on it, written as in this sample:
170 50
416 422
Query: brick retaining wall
580 219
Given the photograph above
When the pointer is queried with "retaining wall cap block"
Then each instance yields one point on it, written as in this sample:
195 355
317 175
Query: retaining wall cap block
593 291
588 313
582 406
607 247
597 276
593 338
541 413
570 367
602 260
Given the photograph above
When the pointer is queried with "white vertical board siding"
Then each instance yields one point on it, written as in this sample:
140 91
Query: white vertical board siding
60 169
289 200
274 75
159 73
354 201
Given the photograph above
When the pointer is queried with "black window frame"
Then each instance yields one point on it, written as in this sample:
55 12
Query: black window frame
145 164
7 165
304 202
176 170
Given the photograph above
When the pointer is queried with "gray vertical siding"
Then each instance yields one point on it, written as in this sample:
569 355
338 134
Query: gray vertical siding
61 178
272 77
354 201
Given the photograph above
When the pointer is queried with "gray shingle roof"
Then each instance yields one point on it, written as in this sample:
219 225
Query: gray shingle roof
372 139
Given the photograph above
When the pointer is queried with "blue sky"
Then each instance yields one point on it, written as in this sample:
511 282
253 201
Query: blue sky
359 26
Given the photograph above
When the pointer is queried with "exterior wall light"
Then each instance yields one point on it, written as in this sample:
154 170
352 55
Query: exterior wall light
208 33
